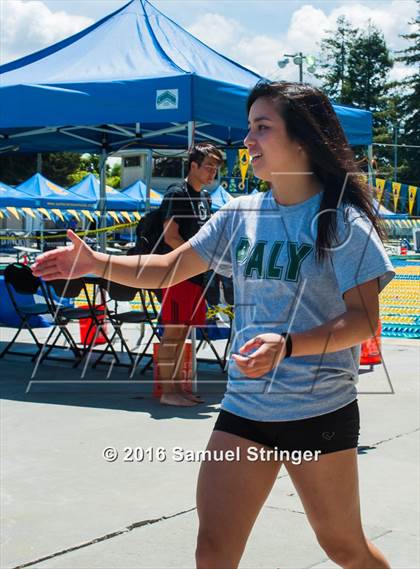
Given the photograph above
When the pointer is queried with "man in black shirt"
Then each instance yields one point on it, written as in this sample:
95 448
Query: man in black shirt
185 209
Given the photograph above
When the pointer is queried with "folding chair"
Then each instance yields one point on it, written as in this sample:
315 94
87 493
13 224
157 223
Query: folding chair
147 314
19 279
65 289
216 328
62 316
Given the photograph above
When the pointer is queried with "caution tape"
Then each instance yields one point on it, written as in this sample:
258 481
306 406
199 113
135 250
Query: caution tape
214 310
64 235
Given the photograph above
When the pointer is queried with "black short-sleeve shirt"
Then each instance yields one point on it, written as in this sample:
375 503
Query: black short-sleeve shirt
190 210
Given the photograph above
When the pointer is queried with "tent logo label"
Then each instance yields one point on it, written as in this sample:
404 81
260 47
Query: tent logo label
166 99
55 188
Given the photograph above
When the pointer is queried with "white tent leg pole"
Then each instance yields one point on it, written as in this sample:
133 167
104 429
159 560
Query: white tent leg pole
39 171
102 201
149 165
370 170
193 334
42 233
191 129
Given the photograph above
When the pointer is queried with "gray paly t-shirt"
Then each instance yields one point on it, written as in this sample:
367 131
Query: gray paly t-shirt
269 249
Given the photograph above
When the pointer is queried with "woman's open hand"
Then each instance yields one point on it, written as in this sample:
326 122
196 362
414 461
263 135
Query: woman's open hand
69 262
270 350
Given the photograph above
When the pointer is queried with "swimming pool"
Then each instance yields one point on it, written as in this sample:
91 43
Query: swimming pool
400 301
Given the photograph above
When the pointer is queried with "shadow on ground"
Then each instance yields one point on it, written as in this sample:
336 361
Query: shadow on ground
59 383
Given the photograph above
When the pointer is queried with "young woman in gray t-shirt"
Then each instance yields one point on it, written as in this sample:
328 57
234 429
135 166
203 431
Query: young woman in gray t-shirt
308 265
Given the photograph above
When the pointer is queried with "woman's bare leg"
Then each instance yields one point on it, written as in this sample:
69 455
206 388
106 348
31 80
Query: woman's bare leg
171 353
229 498
329 491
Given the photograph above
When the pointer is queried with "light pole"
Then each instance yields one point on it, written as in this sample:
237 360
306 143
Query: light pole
395 151
298 59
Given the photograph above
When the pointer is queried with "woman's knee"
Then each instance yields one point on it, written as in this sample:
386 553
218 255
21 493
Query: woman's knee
213 552
343 549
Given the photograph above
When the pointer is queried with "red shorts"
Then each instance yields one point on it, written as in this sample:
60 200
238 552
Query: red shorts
184 304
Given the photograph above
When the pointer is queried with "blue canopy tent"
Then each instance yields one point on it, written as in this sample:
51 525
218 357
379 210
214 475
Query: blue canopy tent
9 197
48 195
89 189
138 192
137 79
219 197
133 77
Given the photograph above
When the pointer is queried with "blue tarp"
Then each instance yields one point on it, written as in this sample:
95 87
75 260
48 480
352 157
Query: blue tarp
137 191
138 78
8 314
88 188
219 197
49 195
9 197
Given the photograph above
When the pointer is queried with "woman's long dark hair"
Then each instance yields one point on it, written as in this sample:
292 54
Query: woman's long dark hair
311 121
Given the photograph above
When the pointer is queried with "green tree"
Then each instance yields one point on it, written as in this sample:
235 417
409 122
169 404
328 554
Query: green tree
410 120
57 166
369 64
387 132
63 168
114 177
355 64
16 168
355 71
89 164
333 63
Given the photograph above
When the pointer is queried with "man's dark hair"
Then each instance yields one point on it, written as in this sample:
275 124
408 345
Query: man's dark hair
199 151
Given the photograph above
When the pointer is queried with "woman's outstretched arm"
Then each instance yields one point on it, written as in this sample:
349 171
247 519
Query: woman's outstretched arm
145 271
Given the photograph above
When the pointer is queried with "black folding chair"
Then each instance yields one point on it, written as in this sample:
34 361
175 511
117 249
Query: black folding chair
63 316
216 329
147 314
19 279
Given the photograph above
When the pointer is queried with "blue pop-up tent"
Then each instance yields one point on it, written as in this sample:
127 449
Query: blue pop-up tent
138 192
133 77
9 197
48 195
89 189
219 197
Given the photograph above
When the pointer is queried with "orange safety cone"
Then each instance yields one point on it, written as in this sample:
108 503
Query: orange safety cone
370 353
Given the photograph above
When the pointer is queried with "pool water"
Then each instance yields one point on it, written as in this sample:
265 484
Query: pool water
400 301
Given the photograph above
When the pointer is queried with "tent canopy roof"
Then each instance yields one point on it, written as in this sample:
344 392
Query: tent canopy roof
133 78
138 190
219 197
89 188
47 194
9 197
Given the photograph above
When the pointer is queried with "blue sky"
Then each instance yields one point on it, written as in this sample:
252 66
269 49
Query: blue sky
255 33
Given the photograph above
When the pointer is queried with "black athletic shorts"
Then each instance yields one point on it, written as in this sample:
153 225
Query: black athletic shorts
331 432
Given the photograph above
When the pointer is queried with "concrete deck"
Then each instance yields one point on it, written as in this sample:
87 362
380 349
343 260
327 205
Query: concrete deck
64 507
